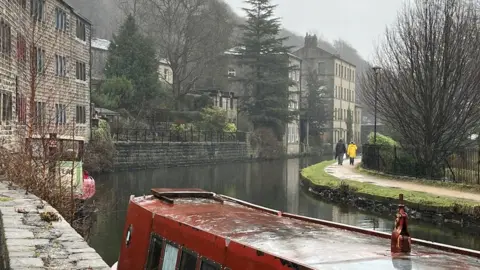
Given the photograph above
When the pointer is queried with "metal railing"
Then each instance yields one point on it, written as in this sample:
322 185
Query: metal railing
463 166
190 135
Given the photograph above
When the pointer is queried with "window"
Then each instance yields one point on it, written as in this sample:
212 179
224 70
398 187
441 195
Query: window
60 65
61 22
80 31
154 253
21 108
188 261
321 68
81 72
80 115
5 37
6 105
37 9
23 3
231 72
170 257
208 265
40 112
38 59
335 116
21 48
165 74
60 114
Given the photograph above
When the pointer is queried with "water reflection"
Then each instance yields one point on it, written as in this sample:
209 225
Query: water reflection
272 184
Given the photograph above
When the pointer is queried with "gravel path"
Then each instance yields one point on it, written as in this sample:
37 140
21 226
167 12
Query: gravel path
348 172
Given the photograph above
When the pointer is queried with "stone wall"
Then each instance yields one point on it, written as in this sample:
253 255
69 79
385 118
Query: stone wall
31 243
153 155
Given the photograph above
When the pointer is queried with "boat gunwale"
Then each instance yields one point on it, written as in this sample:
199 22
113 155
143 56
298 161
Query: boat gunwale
435 245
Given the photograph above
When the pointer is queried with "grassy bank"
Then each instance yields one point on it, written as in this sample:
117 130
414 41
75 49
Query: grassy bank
433 183
317 176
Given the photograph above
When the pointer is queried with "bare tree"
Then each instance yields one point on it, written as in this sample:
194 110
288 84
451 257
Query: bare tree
50 87
428 88
190 34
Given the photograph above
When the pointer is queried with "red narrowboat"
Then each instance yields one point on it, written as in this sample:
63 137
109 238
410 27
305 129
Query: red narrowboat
192 229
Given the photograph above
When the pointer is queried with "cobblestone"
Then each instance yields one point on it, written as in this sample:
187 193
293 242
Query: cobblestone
36 244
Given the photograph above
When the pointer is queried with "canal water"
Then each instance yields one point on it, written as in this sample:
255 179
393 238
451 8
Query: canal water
273 184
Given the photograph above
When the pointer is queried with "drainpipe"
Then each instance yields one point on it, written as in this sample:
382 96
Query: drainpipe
90 83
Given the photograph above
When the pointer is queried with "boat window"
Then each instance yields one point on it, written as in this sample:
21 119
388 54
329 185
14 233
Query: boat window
188 261
207 265
170 257
154 253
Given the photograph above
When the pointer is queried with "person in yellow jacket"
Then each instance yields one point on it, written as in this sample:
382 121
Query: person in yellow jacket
352 152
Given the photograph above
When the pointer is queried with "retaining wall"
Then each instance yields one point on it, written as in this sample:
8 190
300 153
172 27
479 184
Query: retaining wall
27 242
158 154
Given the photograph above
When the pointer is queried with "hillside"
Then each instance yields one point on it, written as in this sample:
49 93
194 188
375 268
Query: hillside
107 15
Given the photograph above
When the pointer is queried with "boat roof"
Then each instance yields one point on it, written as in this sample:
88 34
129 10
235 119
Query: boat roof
314 243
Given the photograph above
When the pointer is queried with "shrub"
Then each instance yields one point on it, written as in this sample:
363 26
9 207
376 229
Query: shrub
230 127
100 151
265 142
213 119
382 140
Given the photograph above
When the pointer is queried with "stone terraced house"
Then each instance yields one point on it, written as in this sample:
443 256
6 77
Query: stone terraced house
44 70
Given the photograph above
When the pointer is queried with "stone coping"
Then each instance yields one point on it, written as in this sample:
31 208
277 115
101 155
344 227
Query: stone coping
31 243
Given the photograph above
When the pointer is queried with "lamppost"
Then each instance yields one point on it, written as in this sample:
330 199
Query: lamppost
375 69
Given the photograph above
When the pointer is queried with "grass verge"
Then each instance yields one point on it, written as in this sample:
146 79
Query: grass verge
317 176
426 182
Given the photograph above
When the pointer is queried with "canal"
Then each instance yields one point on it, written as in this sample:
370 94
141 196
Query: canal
273 184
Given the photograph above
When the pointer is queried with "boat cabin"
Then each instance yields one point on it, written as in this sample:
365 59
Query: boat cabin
199 230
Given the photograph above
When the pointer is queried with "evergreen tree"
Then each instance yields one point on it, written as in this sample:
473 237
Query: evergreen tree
316 111
132 56
266 81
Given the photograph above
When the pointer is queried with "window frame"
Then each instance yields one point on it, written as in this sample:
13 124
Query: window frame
213 263
81 110
81 30
190 252
6 107
37 10
149 259
60 114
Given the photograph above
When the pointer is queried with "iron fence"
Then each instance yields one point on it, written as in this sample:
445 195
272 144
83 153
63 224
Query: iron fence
190 135
463 166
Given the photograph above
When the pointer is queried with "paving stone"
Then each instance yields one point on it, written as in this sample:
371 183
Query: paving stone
26 262
35 244
23 234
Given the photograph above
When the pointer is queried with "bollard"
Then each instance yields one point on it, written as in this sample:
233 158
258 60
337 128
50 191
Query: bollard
401 241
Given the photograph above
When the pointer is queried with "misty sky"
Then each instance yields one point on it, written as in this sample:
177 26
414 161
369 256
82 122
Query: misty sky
360 22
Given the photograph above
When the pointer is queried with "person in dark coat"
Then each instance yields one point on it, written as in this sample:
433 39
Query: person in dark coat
340 150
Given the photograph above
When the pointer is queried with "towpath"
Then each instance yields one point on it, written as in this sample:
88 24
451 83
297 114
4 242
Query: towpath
348 172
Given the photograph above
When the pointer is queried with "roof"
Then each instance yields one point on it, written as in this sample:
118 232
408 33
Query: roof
235 51
336 56
74 11
293 238
101 44
106 111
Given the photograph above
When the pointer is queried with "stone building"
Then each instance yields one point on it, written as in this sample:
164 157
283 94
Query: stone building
339 78
99 59
233 71
165 71
45 61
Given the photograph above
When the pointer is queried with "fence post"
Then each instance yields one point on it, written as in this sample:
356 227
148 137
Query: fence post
136 135
127 134
145 135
